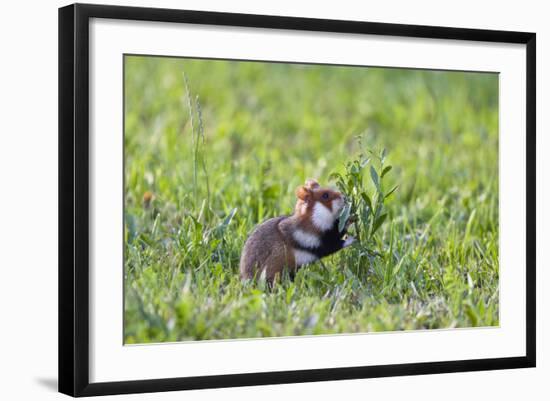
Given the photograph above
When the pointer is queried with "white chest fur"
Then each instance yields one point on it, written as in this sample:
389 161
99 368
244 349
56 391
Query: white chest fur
306 240
322 217
303 257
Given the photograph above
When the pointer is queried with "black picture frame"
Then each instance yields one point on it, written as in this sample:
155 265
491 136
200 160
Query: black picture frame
74 198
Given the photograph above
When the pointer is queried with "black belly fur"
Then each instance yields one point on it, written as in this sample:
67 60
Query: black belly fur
331 242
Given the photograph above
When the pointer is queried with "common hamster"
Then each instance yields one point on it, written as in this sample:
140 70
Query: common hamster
291 242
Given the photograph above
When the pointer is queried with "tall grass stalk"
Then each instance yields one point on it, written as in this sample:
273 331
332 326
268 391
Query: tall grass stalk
198 144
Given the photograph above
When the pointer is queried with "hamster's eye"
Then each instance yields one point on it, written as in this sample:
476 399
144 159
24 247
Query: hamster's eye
325 195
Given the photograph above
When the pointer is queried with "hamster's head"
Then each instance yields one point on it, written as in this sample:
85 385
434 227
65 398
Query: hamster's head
321 205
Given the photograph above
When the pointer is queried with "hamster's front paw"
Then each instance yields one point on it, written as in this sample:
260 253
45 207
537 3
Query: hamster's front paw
348 241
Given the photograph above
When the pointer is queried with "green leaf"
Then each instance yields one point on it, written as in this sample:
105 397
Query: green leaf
365 161
385 171
472 314
378 222
383 155
350 183
366 199
379 206
366 211
391 191
375 179
344 217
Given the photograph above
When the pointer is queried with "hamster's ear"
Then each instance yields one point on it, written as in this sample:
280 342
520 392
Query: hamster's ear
303 193
312 184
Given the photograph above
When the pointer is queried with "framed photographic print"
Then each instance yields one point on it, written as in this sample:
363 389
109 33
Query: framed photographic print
250 199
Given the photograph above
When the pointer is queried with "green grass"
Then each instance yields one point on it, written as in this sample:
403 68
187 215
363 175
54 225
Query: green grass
258 131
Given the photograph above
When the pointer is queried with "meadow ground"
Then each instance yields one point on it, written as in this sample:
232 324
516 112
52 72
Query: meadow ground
196 183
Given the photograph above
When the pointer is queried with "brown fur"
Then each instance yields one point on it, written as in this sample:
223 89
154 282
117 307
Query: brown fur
266 250
269 249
